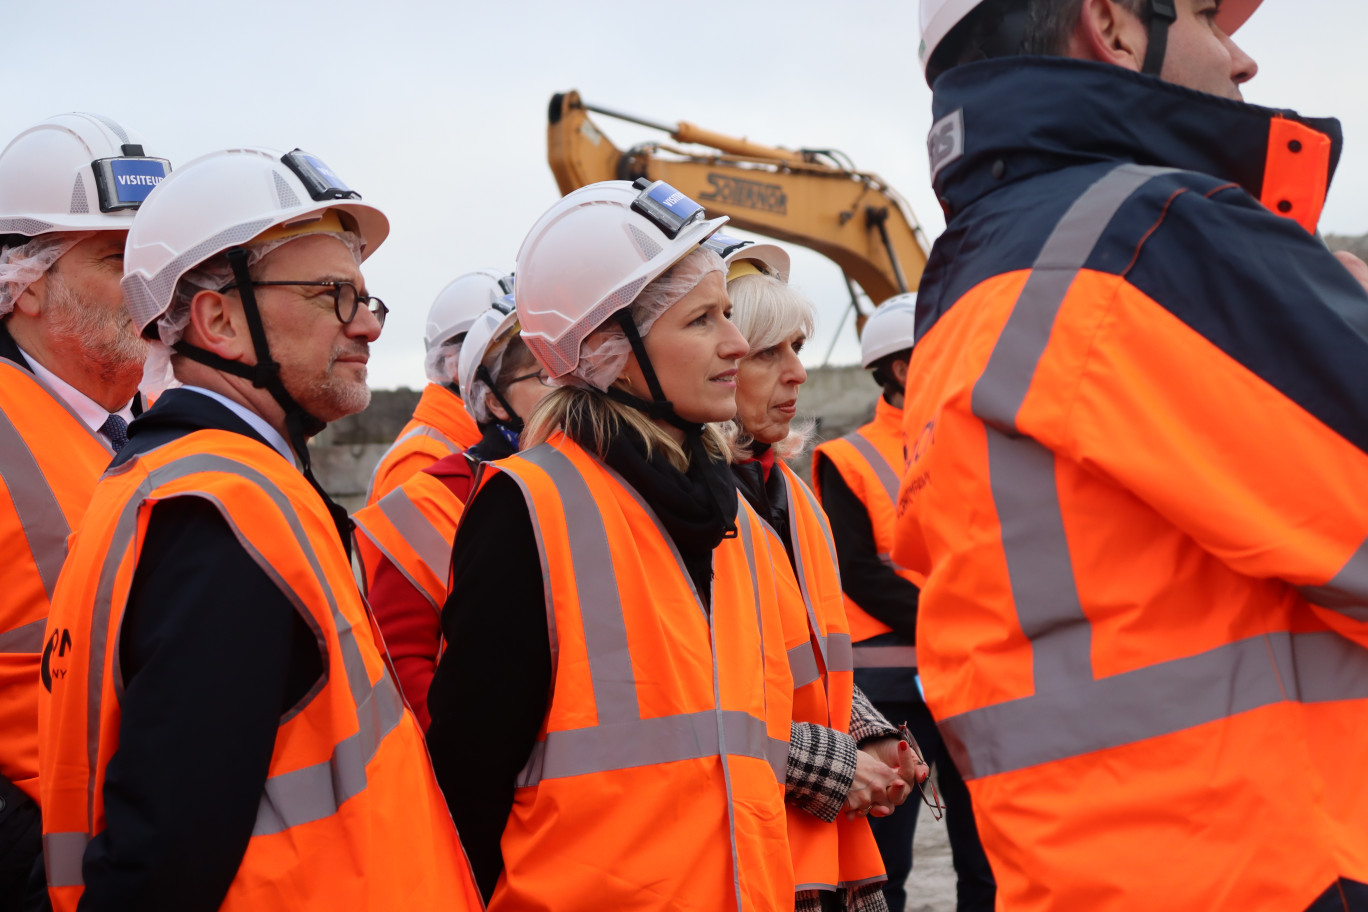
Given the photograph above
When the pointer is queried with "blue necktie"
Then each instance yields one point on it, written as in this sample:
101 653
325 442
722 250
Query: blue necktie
116 430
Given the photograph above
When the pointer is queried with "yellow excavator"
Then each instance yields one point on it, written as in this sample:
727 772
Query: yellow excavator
811 197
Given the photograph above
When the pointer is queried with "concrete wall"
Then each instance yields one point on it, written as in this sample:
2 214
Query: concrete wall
345 454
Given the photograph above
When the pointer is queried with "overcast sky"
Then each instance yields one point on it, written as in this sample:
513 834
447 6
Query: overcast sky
436 111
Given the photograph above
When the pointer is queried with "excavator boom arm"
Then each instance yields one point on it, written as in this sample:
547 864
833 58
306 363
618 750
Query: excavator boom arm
850 217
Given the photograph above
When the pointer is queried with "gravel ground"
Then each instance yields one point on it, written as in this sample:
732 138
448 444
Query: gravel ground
931 886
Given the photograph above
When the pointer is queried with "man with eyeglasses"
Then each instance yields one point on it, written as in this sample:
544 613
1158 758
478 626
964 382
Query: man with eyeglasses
222 728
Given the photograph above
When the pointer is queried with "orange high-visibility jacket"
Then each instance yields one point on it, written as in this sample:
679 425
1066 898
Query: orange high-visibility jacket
49 463
1138 442
842 854
870 460
412 527
658 779
439 427
350 815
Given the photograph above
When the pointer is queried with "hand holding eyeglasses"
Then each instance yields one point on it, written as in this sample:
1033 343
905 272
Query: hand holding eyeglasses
924 784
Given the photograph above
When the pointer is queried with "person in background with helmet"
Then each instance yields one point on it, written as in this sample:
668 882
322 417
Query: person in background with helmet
222 730
639 762
1138 437
842 752
404 539
441 424
70 362
856 480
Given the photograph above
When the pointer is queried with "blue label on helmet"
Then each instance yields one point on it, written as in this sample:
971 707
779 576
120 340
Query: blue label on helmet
134 178
325 174
675 201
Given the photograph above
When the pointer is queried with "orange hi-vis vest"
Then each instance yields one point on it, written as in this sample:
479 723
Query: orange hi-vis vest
657 782
350 815
842 854
870 460
440 426
49 463
412 527
1142 628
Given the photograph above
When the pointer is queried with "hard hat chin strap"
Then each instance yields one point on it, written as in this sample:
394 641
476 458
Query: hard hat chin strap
1162 14
300 425
661 409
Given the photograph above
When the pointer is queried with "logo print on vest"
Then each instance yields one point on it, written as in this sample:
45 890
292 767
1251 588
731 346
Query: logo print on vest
61 641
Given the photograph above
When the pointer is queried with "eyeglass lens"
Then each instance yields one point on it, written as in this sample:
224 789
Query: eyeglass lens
348 299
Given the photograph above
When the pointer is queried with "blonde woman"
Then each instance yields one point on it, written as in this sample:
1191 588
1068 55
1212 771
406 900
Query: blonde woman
615 637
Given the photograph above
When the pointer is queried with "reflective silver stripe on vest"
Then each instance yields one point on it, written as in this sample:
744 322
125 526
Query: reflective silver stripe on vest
40 515
885 656
62 857
25 638
803 661
650 742
998 394
1071 711
803 664
1021 471
882 470
417 530
887 560
623 739
840 652
300 796
1347 593
777 749
1157 700
800 567
425 430
605 627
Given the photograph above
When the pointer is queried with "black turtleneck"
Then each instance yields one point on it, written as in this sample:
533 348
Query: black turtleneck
492 685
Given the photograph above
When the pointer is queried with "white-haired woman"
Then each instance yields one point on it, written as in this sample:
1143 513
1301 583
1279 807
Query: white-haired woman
611 716
844 754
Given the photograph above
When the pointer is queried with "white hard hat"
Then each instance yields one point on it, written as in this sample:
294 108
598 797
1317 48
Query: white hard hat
75 172
461 302
592 253
225 199
770 259
891 328
938 17
489 326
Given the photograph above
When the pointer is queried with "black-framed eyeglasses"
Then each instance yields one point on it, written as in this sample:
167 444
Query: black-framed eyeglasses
934 800
540 377
346 299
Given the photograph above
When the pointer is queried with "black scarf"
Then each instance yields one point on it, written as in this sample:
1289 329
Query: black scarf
681 500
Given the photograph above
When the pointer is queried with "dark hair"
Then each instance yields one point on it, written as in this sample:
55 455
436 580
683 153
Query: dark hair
1012 28
882 371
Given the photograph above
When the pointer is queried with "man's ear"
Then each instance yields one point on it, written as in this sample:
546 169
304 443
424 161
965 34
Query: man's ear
31 299
900 372
495 409
218 325
1108 32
